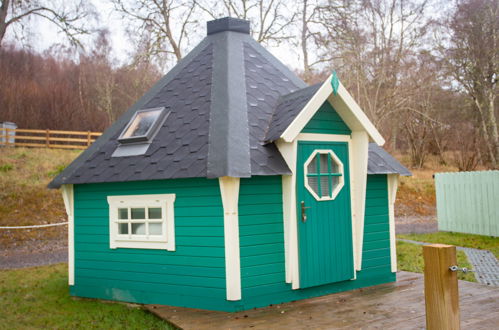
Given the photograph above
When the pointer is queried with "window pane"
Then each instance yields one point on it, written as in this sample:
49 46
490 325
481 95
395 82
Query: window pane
155 213
123 228
142 123
324 167
336 181
122 213
334 167
312 182
312 166
155 229
138 228
138 213
325 186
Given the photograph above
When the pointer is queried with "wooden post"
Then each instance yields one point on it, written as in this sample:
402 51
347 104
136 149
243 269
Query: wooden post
88 138
47 137
440 287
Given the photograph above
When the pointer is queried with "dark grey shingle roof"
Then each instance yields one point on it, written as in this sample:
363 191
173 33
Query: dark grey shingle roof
381 162
214 128
287 109
226 98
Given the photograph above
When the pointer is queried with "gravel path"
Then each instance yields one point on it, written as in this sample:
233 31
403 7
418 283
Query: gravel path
416 224
23 259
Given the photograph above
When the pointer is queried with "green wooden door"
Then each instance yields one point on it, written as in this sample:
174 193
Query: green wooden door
323 212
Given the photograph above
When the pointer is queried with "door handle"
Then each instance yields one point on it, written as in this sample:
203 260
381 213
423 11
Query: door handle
304 212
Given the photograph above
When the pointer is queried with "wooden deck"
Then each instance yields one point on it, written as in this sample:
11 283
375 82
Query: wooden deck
398 305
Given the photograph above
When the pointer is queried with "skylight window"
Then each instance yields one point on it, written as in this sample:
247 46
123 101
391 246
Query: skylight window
143 125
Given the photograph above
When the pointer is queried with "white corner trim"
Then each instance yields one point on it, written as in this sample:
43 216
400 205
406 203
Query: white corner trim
354 232
229 190
345 106
68 197
289 153
392 195
165 241
358 180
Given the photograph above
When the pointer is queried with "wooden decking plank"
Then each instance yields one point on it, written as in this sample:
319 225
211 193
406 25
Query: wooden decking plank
397 305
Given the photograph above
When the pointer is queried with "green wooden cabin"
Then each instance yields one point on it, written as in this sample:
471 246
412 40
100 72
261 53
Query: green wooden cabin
230 185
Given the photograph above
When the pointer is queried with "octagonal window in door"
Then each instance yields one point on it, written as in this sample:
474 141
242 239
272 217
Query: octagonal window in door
324 175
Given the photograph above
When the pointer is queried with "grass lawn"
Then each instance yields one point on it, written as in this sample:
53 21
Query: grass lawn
458 239
38 298
410 258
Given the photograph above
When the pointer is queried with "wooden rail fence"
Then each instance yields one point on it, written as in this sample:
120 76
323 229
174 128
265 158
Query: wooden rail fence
47 138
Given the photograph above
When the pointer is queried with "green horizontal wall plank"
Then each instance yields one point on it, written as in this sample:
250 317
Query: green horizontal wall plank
153 268
254 250
170 259
372 254
377 245
268 268
326 121
375 227
205 251
261 239
134 284
376 219
249 261
376 236
376 262
269 228
147 277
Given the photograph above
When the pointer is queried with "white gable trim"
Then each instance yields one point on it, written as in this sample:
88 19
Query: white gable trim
345 106
392 195
229 189
68 197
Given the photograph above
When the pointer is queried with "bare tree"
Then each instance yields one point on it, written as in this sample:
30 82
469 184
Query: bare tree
471 53
168 22
68 19
369 43
270 19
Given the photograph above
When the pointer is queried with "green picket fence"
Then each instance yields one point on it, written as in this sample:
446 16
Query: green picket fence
468 202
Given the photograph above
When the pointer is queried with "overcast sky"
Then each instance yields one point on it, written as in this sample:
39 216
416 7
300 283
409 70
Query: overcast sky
43 35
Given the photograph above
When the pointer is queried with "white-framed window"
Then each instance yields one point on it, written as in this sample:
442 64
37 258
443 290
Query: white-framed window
142 221
323 175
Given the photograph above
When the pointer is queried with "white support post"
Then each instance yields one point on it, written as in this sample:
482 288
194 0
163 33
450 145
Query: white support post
289 153
68 197
358 175
392 195
229 189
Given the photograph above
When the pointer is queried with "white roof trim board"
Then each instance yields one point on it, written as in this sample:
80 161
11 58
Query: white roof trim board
345 106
